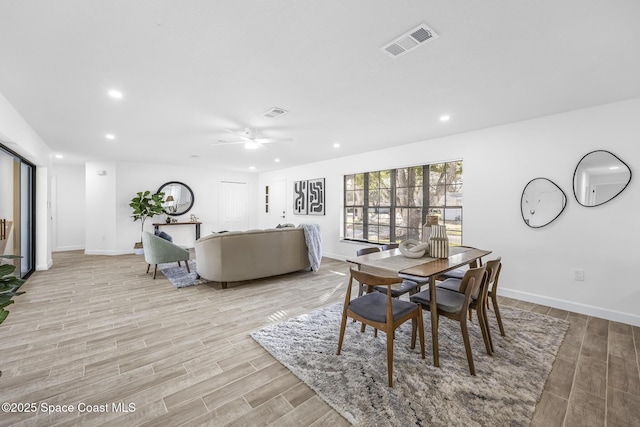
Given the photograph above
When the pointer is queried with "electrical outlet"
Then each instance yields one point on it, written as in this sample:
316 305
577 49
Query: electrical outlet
578 275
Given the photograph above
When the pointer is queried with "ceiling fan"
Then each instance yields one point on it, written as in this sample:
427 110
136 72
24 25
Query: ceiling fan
250 139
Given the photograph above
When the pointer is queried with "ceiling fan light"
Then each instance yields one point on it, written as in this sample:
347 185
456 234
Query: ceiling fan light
249 145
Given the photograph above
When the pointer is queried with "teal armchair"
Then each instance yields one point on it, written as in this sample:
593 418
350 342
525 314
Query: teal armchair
159 251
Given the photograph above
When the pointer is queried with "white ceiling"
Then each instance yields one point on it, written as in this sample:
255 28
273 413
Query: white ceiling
191 69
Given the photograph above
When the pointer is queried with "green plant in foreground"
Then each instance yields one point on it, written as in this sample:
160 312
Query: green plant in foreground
146 205
9 286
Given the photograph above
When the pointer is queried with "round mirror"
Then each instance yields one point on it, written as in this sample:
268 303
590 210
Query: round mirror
599 177
178 198
542 202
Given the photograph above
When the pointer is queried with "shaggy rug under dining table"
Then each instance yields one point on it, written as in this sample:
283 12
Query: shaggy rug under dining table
504 391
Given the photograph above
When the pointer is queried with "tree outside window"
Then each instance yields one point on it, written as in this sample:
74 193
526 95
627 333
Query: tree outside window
392 205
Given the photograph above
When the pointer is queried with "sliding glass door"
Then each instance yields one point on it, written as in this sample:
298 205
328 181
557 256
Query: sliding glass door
17 213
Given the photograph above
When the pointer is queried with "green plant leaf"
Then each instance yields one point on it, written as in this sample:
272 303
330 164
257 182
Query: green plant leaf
6 269
5 302
3 315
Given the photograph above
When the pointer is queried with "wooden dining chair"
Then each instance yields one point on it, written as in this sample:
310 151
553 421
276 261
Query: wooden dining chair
479 303
493 274
382 312
492 292
365 251
458 273
413 283
454 305
407 286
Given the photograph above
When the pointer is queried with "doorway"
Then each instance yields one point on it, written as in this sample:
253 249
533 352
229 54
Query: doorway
17 213
277 203
233 206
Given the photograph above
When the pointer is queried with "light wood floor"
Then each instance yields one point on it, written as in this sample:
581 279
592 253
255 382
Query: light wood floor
98 330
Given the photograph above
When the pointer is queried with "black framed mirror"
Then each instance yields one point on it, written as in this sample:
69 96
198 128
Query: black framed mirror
178 198
599 177
542 202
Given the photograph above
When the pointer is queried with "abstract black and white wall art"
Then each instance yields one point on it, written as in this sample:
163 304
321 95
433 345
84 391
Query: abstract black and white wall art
300 198
309 197
315 188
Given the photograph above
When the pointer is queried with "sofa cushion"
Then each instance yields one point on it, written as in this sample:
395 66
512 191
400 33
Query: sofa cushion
163 235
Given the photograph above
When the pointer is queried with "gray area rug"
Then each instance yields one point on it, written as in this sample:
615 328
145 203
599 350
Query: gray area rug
504 391
178 276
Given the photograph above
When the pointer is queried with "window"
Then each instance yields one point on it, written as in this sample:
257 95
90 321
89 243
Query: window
392 205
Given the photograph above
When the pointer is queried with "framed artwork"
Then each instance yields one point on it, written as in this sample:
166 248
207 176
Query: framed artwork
309 197
315 200
300 198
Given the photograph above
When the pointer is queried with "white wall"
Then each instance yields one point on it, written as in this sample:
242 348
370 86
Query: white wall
110 228
498 163
100 209
18 136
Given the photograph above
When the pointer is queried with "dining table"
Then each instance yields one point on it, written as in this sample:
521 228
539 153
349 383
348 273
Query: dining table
394 262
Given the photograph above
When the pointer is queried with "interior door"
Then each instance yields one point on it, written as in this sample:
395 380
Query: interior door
277 203
233 210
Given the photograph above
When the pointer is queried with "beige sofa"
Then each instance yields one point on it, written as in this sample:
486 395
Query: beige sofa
246 255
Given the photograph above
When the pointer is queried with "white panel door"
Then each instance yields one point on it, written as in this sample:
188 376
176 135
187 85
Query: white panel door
233 206
277 203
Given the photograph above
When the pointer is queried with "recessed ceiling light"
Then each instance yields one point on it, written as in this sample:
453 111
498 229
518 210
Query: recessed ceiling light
251 145
336 145
445 118
252 167
276 160
59 156
110 136
115 94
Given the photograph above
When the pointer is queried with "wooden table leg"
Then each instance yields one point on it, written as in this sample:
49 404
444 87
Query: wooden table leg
434 320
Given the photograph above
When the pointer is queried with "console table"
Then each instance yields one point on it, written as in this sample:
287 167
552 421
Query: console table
169 224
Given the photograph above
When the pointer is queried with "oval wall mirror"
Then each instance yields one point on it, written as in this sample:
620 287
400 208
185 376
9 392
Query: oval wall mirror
178 198
542 201
599 177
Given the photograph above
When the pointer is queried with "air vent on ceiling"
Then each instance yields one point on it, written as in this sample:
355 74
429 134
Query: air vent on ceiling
275 112
417 36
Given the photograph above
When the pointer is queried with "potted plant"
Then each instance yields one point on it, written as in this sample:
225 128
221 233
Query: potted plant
9 285
145 205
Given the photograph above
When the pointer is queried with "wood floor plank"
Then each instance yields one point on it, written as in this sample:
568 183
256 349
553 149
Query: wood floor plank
623 409
560 379
623 375
622 345
591 376
263 415
243 385
585 410
550 411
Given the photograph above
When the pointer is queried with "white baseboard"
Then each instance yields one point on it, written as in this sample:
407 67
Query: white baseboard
589 310
69 248
335 256
44 267
108 252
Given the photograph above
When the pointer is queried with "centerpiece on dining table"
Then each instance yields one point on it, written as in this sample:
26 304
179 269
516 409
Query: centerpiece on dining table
436 244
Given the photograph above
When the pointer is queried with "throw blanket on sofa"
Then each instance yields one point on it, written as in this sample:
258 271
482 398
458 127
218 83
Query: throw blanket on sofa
314 242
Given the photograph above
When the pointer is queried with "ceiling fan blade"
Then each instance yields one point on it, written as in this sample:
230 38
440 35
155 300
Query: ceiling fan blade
221 142
268 140
239 135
